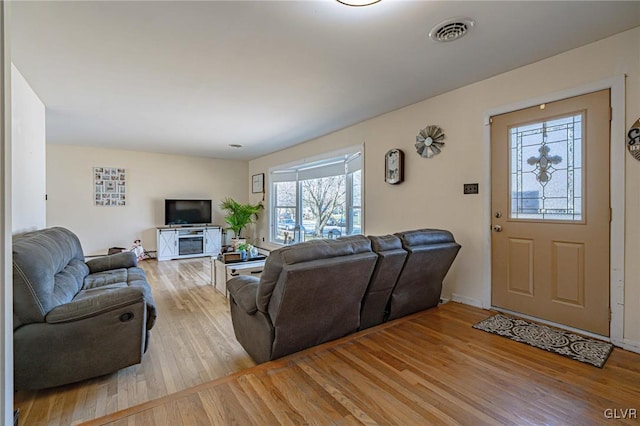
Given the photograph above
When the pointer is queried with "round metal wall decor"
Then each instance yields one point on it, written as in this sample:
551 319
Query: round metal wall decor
633 140
429 141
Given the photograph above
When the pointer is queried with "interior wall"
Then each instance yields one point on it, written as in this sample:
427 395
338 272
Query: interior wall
150 178
432 196
28 156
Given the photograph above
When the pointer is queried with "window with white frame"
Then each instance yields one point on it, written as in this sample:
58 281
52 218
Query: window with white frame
320 198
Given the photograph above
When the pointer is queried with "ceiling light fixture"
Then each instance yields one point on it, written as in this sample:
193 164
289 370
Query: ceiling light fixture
358 3
451 29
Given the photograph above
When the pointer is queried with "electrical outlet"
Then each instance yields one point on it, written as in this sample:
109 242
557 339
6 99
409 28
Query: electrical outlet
470 188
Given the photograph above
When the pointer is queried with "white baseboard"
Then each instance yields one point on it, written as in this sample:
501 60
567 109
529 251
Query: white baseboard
466 300
630 345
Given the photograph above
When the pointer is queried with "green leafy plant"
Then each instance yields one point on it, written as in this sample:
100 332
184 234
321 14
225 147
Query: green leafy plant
239 215
245 246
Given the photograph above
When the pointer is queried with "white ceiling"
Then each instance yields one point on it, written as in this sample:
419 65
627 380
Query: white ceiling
193 77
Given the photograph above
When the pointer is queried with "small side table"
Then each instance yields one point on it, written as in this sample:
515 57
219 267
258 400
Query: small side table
222 272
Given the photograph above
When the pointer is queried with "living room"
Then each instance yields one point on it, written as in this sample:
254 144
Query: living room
430 196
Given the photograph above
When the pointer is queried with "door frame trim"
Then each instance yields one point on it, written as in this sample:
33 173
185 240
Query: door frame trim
617 192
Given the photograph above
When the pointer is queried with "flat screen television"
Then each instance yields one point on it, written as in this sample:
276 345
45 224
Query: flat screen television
187 212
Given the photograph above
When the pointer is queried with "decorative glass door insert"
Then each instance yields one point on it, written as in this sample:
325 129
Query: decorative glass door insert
546 170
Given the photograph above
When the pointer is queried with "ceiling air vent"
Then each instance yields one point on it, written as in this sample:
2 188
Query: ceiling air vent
451 29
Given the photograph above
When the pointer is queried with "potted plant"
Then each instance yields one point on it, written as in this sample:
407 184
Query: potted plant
239 215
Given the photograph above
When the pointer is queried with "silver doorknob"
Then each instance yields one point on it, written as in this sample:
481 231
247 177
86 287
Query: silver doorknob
497 228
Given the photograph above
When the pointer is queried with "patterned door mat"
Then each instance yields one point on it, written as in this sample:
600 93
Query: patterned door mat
574 346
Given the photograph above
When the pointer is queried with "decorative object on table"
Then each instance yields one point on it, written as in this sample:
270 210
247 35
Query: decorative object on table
570 345
429 141
239 215
633 140
232 256
394 166
245 250
243 254
257 183
109 186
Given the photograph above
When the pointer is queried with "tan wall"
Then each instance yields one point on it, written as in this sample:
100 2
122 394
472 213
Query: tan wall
150 179
431 195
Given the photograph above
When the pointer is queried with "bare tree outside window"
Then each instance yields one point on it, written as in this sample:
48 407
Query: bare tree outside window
323 199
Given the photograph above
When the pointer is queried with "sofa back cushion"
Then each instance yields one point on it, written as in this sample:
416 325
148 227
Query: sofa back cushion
391 258
430 255
48 270
312 291
304 252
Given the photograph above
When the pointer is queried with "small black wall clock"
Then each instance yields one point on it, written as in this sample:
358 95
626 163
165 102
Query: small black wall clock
394 166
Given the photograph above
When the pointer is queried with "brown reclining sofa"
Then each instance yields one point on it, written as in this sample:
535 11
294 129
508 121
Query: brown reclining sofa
317 291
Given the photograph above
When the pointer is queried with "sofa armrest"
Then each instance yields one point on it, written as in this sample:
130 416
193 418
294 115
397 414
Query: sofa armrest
243 290
126 259
93 303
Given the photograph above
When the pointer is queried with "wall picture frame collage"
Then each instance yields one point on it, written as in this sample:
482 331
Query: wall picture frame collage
109 186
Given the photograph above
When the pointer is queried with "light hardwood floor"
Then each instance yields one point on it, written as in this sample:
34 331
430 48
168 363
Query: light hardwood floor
192 343
430 368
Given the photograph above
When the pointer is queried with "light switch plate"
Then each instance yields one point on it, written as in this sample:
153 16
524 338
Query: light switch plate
470 188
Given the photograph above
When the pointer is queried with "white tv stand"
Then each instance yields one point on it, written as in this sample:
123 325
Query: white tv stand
188 241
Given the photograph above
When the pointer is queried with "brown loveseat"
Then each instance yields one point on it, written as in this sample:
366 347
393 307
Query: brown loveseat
320 290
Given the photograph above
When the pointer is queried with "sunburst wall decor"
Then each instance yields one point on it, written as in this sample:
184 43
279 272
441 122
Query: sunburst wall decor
429 141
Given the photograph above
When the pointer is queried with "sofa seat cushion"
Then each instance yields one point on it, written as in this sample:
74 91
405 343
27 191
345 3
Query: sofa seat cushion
94 302
124 277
